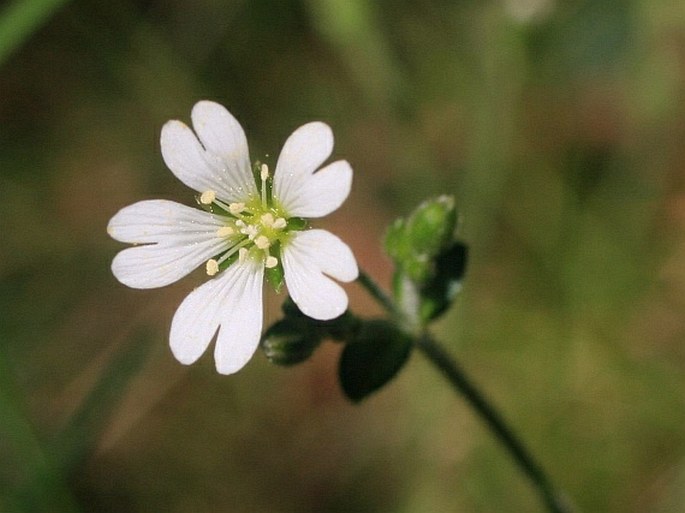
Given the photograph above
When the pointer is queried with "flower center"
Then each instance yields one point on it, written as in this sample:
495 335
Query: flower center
253 229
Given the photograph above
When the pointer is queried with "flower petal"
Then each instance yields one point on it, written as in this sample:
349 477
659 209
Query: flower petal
321 193
303 153
178 239
306 258
241 325
223 165
231 303
160 220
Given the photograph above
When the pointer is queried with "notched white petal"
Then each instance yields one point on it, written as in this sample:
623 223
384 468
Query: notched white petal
159 220
177 239
158 265
231 303
321 193
303 153
307 259
241 325
220 164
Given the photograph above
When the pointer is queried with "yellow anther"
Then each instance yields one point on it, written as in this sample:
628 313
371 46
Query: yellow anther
267 219
271 262
207 197
225 231
212 267
242 255
279 223
264 172
236 208
250 230
262 242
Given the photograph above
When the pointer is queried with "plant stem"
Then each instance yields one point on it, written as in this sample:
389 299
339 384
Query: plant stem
449 367
378 293
461 383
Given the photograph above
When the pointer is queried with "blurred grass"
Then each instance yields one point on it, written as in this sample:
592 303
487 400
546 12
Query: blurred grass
559 128
20 19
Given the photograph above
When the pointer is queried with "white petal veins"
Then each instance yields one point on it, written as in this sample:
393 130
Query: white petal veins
178 239
321 193
204 170
302 154
158 220
232 303
306 259
224 139
241 324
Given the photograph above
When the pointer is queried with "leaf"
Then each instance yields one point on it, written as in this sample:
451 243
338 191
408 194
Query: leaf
372 358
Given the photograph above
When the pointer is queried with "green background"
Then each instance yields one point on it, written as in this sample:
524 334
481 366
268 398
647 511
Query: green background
559 126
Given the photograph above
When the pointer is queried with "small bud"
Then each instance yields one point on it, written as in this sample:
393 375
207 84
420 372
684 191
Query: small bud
432 224
287 343
414 242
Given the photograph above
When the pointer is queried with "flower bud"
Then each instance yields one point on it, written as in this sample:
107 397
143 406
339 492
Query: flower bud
414 242
288 342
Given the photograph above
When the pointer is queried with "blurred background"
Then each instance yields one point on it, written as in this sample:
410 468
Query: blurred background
558 126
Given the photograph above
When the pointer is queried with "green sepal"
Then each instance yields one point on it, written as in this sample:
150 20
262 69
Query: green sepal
372 358
439 293
275 276
288 342
296 224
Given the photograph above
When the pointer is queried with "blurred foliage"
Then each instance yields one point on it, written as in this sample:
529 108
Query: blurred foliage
558 127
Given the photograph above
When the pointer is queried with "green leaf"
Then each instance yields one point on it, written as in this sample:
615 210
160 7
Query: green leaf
372 358
438 294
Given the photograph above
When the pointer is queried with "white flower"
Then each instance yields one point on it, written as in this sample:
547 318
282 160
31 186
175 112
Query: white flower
252 225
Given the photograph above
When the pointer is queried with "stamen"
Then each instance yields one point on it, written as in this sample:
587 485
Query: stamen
236 208
225 231
212 267
250 230
279 223
238 247
242 254
271 262
262 242
264 174
267 219
207 197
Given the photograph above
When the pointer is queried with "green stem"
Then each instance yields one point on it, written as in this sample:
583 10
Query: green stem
462 384
456 376
378 293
